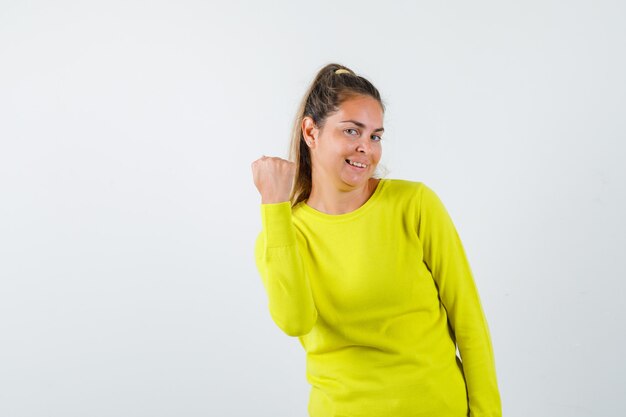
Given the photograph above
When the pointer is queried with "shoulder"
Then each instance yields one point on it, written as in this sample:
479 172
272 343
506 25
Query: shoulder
416 195
398 184
411 189
296 210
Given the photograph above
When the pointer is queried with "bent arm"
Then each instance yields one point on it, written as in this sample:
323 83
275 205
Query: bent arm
445 256
282 271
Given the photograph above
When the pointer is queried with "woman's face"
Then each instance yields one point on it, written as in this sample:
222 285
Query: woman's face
350 135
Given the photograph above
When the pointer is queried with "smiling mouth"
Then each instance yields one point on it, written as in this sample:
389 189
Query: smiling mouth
356 164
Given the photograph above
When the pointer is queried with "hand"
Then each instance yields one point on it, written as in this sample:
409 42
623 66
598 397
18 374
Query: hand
273 177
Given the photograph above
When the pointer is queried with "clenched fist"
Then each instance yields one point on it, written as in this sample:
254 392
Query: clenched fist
273 177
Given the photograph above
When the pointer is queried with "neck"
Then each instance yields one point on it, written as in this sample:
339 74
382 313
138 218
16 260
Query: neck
331 200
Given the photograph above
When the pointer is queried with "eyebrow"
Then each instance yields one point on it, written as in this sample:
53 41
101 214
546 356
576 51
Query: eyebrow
359 124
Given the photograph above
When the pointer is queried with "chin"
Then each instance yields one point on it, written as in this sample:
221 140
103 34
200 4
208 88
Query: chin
356 182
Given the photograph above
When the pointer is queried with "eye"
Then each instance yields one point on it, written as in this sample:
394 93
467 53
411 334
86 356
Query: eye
349 130
376 136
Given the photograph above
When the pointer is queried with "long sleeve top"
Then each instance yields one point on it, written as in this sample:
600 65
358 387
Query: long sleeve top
380 298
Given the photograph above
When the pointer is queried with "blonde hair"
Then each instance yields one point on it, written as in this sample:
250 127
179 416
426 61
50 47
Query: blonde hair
333 84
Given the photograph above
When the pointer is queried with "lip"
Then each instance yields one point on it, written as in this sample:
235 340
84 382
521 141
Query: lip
357 168
361 161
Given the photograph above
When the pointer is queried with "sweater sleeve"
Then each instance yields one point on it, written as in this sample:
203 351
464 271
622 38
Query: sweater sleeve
446 259
282 271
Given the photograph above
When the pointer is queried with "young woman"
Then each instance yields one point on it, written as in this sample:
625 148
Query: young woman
369 273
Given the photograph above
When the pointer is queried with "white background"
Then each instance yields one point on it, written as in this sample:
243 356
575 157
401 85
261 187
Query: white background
128 213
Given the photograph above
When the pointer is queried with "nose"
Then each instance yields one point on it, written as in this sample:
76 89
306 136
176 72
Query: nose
364 145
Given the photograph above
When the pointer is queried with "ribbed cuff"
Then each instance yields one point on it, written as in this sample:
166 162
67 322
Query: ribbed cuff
278 224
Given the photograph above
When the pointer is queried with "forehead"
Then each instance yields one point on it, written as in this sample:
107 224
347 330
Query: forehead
365 109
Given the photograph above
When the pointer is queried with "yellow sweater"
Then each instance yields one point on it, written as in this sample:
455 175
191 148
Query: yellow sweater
378 298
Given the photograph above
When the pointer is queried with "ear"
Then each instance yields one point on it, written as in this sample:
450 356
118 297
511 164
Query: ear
310 131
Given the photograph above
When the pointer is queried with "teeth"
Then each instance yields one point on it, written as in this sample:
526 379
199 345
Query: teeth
357 164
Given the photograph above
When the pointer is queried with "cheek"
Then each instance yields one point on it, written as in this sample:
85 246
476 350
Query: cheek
378 153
